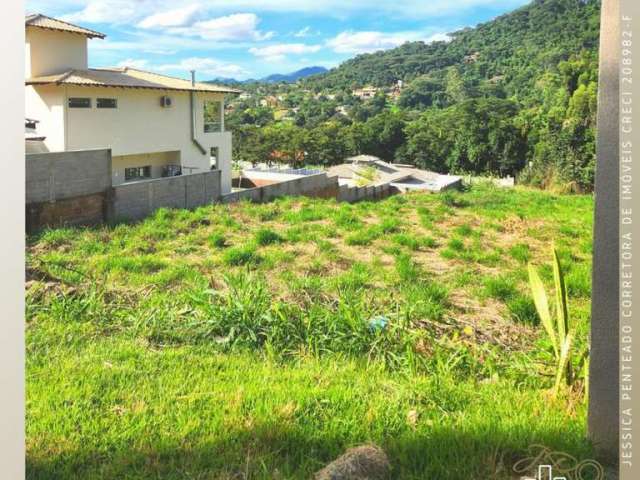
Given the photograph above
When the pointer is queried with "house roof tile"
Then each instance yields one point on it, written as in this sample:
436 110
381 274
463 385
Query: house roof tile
42 21
125 77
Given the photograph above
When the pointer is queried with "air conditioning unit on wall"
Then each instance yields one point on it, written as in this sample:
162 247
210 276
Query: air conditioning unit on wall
165 101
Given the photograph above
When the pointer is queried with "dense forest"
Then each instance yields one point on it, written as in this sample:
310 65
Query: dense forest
516 95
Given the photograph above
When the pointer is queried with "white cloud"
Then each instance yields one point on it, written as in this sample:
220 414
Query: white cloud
204 66
106 11
124 11
171 18
279 51
236 27
361 42
366 42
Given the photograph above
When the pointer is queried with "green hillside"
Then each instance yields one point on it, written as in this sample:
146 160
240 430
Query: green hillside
513 96
518 46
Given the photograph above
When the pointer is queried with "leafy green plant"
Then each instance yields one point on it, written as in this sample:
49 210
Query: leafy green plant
557 325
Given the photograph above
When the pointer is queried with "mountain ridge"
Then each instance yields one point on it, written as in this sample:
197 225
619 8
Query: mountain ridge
275 77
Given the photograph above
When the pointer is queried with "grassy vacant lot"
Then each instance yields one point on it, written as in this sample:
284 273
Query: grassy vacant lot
259 341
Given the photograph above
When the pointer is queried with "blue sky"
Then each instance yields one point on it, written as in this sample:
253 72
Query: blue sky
254 38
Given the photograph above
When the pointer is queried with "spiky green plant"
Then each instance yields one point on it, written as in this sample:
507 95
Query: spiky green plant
555 323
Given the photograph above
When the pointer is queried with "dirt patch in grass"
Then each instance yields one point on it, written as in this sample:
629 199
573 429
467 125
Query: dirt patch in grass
489 321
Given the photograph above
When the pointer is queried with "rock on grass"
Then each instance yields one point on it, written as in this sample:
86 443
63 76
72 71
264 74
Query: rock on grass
366 462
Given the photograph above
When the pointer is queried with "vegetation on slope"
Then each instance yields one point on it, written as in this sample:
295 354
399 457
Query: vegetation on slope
258 341
516 95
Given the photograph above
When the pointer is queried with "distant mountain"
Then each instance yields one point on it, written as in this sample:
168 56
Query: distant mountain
293 76
275 78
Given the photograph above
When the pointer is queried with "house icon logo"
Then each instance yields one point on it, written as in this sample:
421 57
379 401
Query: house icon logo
547 464
545 472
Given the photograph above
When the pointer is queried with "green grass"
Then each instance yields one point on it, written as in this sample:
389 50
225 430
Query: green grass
234 341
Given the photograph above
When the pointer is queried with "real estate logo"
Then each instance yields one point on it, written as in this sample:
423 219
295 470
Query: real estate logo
552 465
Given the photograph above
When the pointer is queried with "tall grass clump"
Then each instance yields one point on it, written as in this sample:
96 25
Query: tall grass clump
266 236
241 255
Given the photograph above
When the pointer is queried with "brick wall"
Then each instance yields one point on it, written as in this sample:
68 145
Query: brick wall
82 210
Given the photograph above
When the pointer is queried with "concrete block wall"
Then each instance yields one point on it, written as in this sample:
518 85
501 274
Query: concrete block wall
62 175
134 201
369 192
317 185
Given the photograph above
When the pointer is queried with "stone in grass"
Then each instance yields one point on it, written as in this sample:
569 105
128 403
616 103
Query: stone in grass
366 462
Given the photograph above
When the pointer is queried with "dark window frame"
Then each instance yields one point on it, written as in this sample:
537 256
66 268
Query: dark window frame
132 174
80 102
110 102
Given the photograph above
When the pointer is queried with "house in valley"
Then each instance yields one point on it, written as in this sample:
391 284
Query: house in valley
365 93
364 170
155 125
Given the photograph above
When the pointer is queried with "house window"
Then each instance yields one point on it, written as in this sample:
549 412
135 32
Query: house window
212 116
137 173
213 156
107 103
76 102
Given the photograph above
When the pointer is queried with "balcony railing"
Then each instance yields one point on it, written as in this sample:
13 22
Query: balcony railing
171 170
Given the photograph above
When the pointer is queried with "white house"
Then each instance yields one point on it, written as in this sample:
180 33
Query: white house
155 125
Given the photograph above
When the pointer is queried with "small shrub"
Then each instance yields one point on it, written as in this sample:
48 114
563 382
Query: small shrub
407 270
425 300
456 244
406 240
362 237
218 240
242 255
500 288
266 236
451 199
390 225
347 219
429 242
579 280
523 310
448 254
57 237
464 230
520 252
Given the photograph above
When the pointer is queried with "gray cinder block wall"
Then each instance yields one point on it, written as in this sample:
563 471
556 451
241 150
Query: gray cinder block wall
66 188
317 185
61 175
72 188
134 201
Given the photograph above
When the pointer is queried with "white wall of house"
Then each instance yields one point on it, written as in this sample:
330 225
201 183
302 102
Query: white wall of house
139 125
45 104
51 51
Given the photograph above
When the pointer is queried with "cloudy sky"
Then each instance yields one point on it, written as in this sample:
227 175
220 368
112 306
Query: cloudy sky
253 38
